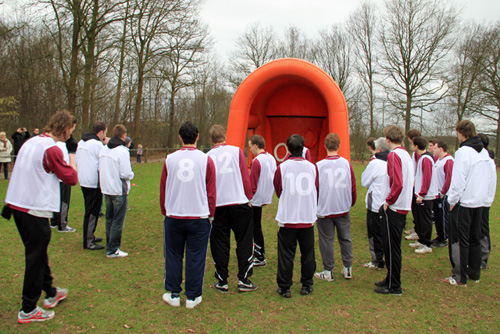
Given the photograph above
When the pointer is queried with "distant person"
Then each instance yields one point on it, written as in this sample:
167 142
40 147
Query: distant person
87 159
425 191
139 153
430 148
187 200
261 179
19 137
36 132
296 186
473 185
5 151
376 179
485 225
38 171
115 173
397 205
337 194
233 212
444 169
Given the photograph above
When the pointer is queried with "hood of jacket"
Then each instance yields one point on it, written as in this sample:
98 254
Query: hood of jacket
115 142
382 155
89 135
474 142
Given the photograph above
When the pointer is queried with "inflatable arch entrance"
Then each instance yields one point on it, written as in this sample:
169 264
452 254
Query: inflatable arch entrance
284 97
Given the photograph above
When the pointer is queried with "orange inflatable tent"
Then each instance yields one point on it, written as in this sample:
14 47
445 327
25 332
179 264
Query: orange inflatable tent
284 97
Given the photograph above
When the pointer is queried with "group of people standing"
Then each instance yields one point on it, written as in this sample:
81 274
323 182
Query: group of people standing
46 166
454 193
203 197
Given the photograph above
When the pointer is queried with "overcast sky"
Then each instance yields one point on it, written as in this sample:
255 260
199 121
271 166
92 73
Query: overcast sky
227 19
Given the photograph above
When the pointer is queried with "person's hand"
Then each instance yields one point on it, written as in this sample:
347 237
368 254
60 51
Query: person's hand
385 206
419 200
19 130
24 130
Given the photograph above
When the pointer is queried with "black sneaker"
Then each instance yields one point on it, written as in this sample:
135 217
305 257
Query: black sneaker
306 289
95 247
440 243
284 292
382 283
246 285
221 286
387 291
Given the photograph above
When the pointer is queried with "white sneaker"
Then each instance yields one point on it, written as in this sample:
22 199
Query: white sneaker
325 274
412 236
415 244
423 249
172 301
193 303
118 253
347 272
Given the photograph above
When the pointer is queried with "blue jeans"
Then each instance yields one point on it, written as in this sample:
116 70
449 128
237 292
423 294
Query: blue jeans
116 208
193 235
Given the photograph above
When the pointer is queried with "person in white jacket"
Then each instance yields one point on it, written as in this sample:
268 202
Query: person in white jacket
115 173
87 160
473 182
376 179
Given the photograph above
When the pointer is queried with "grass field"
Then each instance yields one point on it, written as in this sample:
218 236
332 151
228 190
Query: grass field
124 295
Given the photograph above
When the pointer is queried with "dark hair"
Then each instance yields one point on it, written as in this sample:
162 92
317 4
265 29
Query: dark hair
420 142
442 144
484 138
412 134
119 130
295 144
188 132
466 128
98 127
217 134
432 141
60 123
332 142
394 134
371 143
258 140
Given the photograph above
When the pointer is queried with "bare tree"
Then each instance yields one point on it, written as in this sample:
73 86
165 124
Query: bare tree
185 49
152 23
464 73
489 82
255 47
416 36
295 45
332 53
362 25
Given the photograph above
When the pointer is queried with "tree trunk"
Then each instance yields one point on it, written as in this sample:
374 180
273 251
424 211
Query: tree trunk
171 118
138 100
74 58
